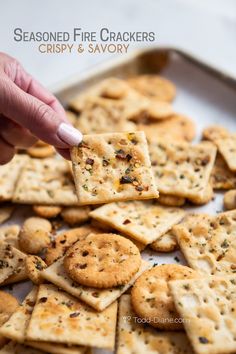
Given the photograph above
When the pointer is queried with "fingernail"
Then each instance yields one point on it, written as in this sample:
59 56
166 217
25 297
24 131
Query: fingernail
69 134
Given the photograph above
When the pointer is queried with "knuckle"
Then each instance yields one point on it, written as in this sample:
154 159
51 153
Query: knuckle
42 113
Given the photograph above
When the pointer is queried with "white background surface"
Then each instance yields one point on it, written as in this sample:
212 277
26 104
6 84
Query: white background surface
205 27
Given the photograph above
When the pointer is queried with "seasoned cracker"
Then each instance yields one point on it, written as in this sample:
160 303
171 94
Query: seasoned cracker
153 86
214 132
11 260
59 317
47 181
47 211
99 299
103 116
151 299
8 304
9 234
171 200
177 127
166 243
182 169
207 306
19 275
209 242
221 176
76 215
227 148
112 167
15 327
9 175
102 261
34 265
55 348
230 200
204 197
144 221
138 338
64 240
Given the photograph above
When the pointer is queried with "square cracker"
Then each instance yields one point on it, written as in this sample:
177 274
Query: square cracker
180 168
134 337
221 176
15 329
101 115
99 299
208 307
60 318
209 242
111 167
144 221
227 148
9 234
46 181
11 261
9 174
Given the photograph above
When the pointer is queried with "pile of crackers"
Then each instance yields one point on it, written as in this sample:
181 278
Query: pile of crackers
81 245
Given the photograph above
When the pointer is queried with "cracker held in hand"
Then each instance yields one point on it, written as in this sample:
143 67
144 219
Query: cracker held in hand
111 167
9 174
47 181
182 169
102 261
99 299
208 306
134 337
144 221
209 242
151 298
59 317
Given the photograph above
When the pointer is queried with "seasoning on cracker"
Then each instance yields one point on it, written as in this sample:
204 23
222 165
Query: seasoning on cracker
45 181
11 261
102 261
98 299
182 169
134 336
144 221
34 265
59 317
207 306
151 298
112 167
208 242
227 148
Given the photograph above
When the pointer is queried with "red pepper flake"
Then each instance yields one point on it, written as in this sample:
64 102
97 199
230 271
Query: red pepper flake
74 314
127 221
89 161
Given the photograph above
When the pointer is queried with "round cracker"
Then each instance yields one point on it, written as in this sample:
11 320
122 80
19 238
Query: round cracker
154 86
47 211
34 236
34 265
166 243
102 261
76 215
151 297
230 200
214 132
171 200
41 150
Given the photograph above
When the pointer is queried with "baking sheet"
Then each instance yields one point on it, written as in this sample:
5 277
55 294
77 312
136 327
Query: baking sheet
203 94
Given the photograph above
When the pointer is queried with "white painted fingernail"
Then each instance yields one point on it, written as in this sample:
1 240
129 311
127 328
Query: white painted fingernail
69 134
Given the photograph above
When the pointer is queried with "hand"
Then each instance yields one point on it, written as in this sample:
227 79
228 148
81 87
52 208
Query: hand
28 112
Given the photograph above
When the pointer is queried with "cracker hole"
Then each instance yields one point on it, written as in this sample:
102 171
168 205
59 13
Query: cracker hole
217 327
82 266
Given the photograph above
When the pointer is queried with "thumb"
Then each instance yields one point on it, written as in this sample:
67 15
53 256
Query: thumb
39 118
